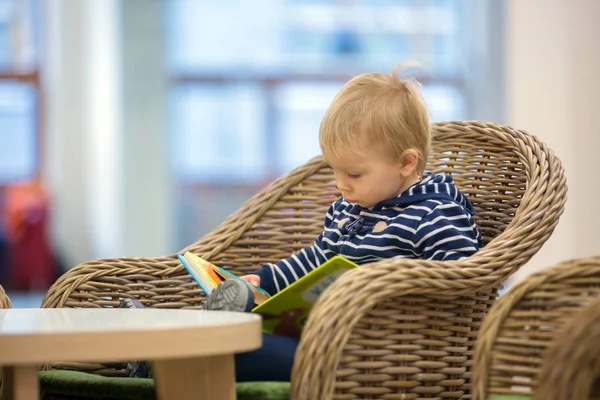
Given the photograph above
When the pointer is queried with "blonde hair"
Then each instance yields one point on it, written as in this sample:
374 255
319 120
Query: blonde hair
387 109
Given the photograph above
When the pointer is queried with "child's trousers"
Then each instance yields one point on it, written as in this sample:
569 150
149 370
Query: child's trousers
271 363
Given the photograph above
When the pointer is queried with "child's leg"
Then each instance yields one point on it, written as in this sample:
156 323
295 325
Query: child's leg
274 360
271 363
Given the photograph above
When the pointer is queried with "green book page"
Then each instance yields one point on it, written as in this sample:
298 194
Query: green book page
285 313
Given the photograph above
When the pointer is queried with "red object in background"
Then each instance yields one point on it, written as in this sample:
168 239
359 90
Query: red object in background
25 214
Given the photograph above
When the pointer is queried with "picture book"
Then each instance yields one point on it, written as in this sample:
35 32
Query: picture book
208 276
286 312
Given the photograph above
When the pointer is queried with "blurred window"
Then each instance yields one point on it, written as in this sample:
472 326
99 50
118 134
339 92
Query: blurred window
250 81
19 90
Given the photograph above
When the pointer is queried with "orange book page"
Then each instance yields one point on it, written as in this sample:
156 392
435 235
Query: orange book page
213 274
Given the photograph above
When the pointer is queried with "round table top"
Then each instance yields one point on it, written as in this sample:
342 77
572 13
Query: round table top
82 334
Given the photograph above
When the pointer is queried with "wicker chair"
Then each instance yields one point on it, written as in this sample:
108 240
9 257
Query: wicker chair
4 303
572 367
397 329
4 300
539 338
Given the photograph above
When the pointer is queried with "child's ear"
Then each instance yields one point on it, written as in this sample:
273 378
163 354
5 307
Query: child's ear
409 161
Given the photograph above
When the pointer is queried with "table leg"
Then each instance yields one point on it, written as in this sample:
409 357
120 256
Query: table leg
21 382
195 378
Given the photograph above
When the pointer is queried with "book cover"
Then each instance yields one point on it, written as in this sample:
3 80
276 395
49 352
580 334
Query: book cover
199 271
208 276
286 312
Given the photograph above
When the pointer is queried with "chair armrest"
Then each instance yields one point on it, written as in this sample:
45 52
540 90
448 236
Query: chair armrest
157 282
393 321
4 300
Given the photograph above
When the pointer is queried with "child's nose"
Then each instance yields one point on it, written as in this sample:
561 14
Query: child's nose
341 185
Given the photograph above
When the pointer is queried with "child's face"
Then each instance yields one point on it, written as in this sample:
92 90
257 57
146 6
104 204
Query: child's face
369 176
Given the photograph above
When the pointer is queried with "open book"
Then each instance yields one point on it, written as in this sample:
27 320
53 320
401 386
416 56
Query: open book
284 313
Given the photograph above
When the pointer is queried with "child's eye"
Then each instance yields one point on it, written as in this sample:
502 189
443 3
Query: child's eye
353 176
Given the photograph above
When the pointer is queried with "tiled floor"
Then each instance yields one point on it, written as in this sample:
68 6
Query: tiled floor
26 299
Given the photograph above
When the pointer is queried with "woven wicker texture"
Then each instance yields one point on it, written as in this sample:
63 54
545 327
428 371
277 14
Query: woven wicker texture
400 329
4 300
572 367
4 303
524 333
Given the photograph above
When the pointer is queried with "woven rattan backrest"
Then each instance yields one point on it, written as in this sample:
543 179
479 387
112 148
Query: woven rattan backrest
478 156
291 213
485 167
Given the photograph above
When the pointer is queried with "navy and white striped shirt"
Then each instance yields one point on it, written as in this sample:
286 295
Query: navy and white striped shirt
431 220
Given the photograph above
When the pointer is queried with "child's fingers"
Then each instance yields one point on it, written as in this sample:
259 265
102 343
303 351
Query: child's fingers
253 279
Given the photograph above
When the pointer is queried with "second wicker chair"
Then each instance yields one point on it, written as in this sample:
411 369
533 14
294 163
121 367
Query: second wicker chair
542 338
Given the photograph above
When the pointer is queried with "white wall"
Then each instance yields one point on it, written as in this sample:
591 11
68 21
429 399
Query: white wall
64 138
553 90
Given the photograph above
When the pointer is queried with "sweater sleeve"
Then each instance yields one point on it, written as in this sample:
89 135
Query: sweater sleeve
275 277
448 232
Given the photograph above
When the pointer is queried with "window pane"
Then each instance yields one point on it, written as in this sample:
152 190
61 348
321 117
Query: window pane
18 35
446 103
278 37
222 36
217 133
18 137
291 54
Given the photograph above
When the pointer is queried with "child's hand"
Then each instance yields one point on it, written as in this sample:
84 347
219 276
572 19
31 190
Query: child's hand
252 279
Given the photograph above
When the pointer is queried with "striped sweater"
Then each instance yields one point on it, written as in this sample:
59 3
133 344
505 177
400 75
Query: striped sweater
431 220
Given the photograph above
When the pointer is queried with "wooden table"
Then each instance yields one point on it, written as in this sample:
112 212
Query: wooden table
192 351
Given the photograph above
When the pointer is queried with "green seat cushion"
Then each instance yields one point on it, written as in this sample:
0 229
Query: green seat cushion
81 384
76 384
